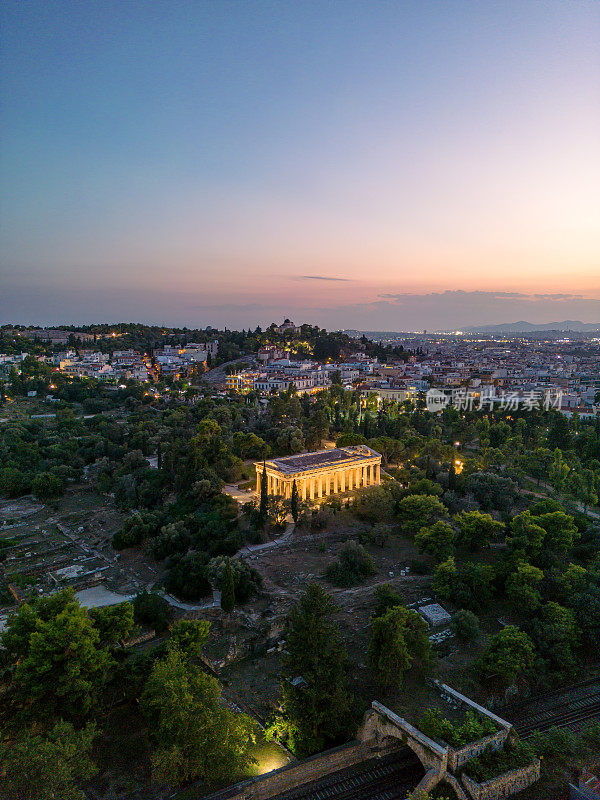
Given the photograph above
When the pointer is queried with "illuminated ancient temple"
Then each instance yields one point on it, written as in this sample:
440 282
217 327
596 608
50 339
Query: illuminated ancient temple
322 473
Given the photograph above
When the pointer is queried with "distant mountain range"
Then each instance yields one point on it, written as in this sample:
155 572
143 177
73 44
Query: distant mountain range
524 327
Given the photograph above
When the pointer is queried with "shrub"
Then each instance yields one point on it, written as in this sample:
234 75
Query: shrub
188 577
418 567
491 763
246 580
466 625
473 728
150 609
378 535
386 597
136 529
354 564
173 538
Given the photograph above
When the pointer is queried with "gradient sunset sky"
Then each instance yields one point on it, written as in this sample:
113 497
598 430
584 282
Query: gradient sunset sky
375 165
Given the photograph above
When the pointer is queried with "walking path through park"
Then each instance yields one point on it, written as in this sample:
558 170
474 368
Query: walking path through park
249 549
100 597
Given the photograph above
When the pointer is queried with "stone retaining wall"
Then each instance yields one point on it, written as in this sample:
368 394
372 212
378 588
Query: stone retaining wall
293 775
456 758
504 785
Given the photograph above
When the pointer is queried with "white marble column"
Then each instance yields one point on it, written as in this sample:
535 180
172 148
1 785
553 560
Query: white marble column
312 488
304 488
378 473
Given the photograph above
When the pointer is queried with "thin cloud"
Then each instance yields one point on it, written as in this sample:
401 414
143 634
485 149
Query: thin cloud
321 278
458 294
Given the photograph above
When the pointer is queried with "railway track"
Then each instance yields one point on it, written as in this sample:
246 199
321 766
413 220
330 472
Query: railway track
389 778
571 708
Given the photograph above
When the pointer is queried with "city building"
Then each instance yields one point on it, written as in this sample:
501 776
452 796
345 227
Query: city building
288 326
322 473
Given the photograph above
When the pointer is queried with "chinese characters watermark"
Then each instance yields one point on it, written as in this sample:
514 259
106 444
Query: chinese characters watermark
465 400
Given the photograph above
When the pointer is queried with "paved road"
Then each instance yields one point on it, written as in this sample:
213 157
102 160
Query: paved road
99 597
249 549
218 375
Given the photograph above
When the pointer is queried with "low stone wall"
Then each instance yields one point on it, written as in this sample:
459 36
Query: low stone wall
456 758
380 722
504 785
293 775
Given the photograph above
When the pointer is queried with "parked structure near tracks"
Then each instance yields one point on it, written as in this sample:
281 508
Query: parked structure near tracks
322 473
384 737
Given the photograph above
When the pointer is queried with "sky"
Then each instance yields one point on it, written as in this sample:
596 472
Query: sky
377 165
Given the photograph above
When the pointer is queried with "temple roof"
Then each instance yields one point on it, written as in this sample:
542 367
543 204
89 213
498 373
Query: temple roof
321 458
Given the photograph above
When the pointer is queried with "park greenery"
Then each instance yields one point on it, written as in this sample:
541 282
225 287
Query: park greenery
510 545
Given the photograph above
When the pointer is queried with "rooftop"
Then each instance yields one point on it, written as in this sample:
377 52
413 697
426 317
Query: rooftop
322 458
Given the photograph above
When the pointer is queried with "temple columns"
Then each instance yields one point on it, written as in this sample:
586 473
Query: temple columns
304 488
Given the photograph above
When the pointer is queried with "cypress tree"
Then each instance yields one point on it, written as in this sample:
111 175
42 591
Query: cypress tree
228 589
452 476
294 502
264 498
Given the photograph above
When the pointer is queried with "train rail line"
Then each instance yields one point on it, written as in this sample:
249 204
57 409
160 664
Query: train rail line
570 707
389 778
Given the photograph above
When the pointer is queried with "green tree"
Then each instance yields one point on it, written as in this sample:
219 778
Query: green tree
508 656
354 564
228 589
34 766
194 735
420 511
373 504
438 540
583 486
189 636
246 580
114 623
476 529
559 435
47 486
264 496
397 637
556 635
522 587
444 578
559 472
526 536
561 531
466 625
149 608
294 502
60 666
316 708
